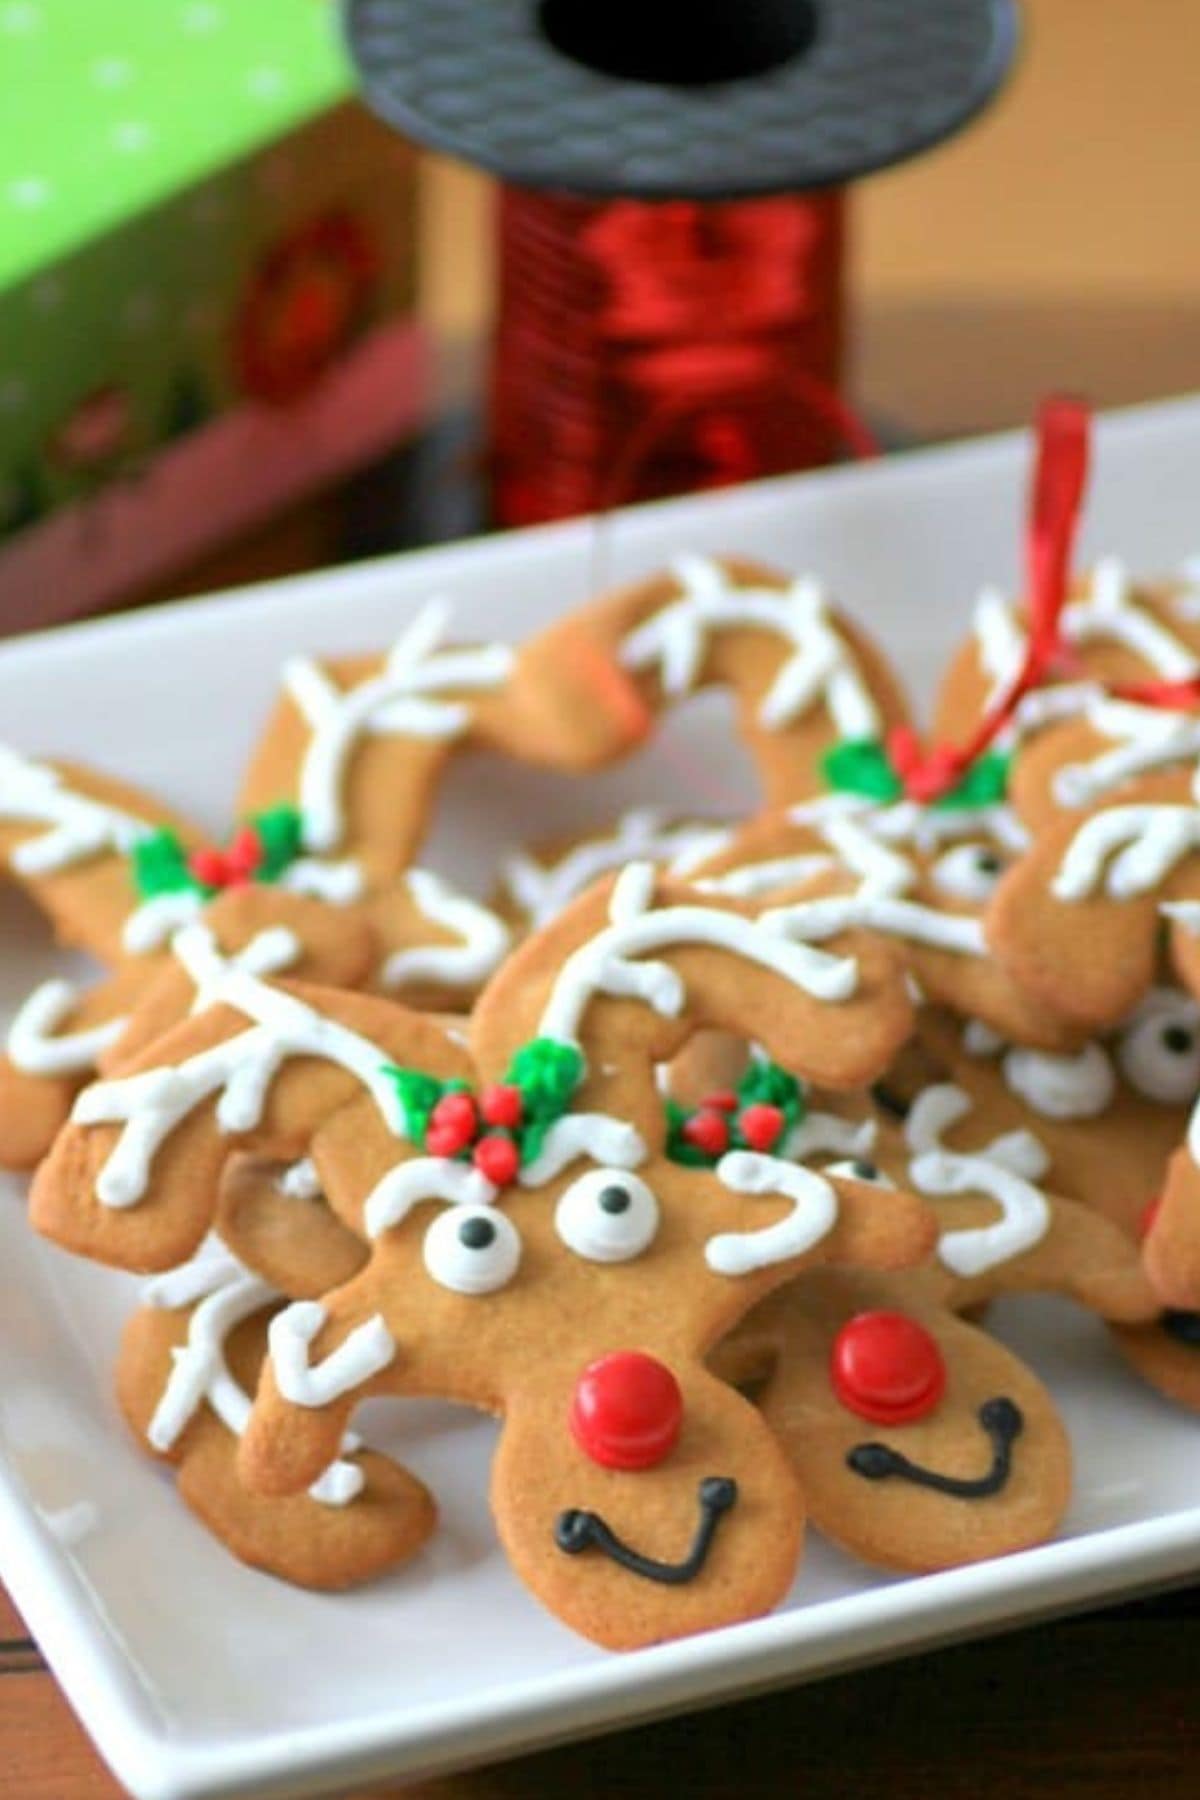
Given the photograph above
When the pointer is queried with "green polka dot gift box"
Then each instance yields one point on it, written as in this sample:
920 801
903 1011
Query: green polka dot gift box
206 285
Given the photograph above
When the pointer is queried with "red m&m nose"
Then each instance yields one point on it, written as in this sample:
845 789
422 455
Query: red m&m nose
626 1411
887 1368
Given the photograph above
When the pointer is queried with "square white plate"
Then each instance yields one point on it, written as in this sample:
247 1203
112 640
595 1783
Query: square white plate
196 1676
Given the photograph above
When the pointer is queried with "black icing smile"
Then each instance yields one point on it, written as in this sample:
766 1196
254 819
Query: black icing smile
1184 1327
1003 1422
575 1530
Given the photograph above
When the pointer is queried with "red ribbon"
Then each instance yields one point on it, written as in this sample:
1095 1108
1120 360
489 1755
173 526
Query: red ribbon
1056 498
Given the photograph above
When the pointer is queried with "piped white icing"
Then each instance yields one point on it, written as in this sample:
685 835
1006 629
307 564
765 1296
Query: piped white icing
815 920
1148 738
642 834
813 1215
78 827
407 1184
150 1104
820 666
1109 613
36 1046
606 963
1126 851
223 1292
484 939
369 1349
1005 1171
595 1135
402 701
1062 1087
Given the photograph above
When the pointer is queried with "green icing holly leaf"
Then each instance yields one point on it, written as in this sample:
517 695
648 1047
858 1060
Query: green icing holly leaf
984 784
280 832
766 1084
547 1073
861 766
160 866
419 1094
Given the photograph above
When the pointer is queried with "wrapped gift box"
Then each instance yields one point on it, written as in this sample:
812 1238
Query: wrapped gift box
206 285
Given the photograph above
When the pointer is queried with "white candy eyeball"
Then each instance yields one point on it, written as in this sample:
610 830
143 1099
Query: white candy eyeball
969 872
607 1215
472 1249
1160 1053
860 1168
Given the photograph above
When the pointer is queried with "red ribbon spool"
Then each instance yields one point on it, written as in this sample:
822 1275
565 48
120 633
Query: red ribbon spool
652 342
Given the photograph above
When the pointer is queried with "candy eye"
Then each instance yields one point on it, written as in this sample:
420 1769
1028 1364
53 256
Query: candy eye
472 1249
860 1169
607 1215
969 871
1160 1054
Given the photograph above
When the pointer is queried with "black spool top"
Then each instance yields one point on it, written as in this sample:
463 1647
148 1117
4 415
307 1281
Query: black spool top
680 99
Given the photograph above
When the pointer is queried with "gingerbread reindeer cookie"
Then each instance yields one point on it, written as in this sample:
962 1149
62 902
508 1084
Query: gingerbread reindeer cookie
571 1274
335 803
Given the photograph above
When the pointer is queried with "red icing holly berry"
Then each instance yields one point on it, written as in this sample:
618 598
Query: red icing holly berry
244 857
707 1131
498 1158
887 1368
761 1125
454 1120
209 867
502 1104
441 1141
626 1411
724 1100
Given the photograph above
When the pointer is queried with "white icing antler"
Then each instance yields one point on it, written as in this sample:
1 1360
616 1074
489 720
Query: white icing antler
813 1214
815 920
151 1104
400 701
644 834
1108 613
368 1350
1152 739
605 964
37 1047
485 938
821 666
1004 1170
1127 850
80 827
226 1293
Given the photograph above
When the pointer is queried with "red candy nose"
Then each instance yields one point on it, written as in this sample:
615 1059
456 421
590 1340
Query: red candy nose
626 1411
887 1368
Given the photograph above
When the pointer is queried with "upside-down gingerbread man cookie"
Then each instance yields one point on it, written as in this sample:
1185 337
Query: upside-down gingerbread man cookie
333 808
563 1232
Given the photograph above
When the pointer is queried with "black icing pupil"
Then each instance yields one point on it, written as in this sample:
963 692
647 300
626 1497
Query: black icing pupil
614 1199
988 862
1177 1039
476 1234
865 1171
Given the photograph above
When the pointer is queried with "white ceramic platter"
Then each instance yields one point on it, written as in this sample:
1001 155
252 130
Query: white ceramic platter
198 1677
